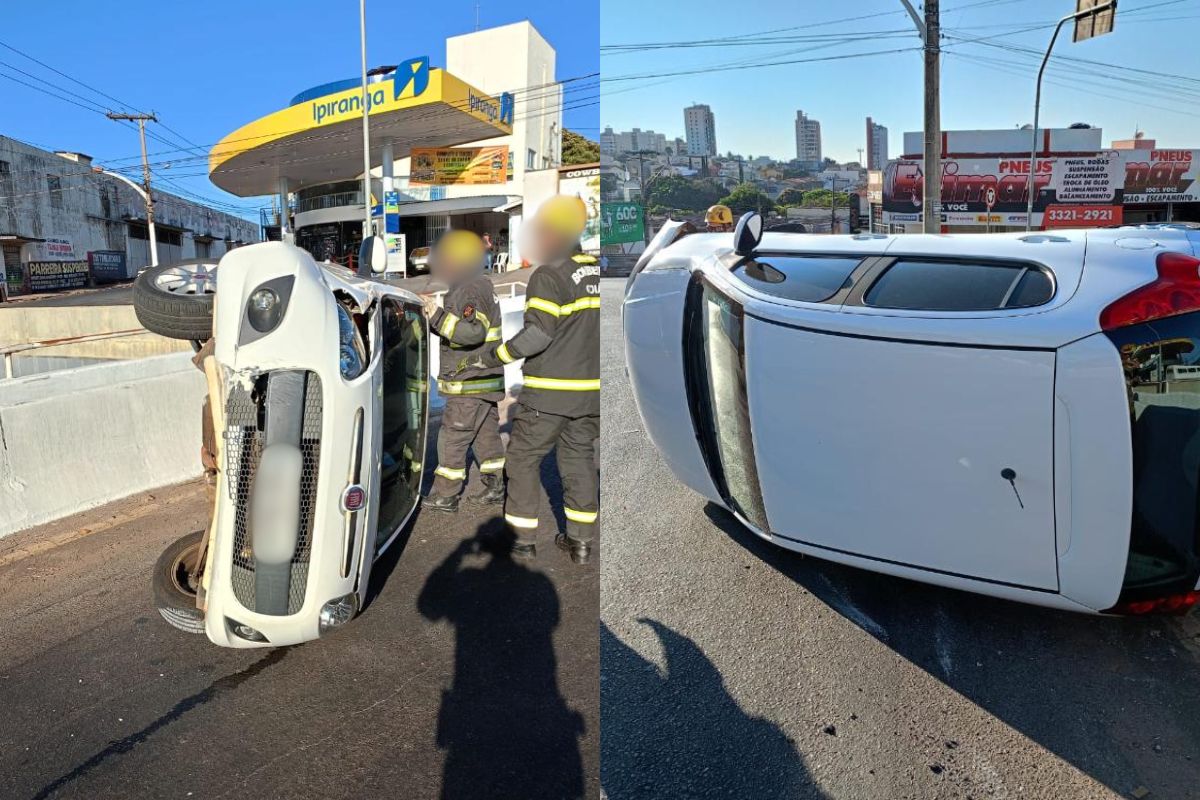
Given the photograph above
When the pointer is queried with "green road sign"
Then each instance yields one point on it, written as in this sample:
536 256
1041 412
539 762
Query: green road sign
621 223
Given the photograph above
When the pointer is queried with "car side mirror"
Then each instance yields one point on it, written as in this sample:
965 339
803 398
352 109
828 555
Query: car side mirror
748 233
372 256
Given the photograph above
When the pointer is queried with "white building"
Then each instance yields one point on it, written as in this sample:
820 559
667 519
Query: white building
634 141
700 127
808 141
877 145
56 214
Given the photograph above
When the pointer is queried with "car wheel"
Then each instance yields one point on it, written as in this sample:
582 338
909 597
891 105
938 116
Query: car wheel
174 592
176 300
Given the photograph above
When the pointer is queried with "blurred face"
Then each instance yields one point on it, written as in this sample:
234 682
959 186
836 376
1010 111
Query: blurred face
455 257
542 244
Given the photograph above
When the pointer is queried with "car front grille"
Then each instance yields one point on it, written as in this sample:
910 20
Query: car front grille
244 436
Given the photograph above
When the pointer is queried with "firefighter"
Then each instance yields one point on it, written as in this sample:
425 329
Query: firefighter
468 324
718 219
559 404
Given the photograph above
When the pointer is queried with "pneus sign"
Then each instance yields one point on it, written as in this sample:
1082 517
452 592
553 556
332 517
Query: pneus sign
1167 176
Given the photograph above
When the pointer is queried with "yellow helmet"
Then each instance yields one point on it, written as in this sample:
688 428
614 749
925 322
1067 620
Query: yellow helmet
565 214
718 215
459 247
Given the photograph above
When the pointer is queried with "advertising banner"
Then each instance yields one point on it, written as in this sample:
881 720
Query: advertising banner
50 275
48 250
108 265
1086 183
621 223
463 166
584 182
1162 176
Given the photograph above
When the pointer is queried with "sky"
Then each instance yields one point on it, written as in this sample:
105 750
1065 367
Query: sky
208 68
984 84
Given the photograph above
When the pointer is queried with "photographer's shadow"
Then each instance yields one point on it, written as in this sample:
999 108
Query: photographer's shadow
506 729
678 732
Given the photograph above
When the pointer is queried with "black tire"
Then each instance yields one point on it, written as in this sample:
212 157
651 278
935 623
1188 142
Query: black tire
174 314
173 597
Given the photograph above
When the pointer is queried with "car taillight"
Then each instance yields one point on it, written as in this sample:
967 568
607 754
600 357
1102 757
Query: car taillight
1176 290
1171 604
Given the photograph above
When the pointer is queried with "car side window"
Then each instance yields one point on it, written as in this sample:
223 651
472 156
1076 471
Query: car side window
809 279
930 285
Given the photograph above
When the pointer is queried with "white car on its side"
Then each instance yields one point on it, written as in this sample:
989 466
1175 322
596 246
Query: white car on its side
319 388
1011 414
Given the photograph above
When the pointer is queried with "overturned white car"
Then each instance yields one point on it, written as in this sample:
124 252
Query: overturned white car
1011 414
318 383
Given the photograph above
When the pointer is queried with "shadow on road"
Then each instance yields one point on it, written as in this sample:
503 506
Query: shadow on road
647 750
505 728
1115 697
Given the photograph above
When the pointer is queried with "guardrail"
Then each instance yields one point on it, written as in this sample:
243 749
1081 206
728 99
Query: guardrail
8 351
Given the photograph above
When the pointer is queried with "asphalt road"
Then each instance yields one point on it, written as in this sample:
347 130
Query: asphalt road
471 679
732 668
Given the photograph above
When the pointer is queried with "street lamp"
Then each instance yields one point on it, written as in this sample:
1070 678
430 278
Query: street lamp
1090 11
146 199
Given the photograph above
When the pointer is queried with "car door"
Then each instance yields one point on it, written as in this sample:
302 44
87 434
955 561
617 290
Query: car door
404 414
880 447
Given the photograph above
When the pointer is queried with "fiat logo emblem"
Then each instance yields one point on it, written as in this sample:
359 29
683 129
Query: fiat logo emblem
354 498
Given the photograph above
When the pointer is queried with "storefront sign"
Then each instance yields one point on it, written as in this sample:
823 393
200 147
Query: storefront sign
621 223
48 250
1082 216
1162 176
464 166
108 265
47 276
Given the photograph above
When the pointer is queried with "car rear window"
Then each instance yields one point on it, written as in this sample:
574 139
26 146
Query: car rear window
810 279
913 284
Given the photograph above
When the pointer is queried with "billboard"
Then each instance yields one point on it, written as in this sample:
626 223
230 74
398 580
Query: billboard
584 182
1088 181
621 223
463 166
1162 176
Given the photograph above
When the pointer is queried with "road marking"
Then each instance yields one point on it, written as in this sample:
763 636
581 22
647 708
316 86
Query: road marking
941 631
847 608
120 518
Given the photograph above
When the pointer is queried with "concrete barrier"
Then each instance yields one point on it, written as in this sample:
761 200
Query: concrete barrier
78 438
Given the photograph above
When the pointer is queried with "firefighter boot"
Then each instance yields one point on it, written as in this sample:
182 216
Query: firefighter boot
493 489
440 502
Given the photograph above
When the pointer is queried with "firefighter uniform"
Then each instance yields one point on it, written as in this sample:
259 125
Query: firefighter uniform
468 324
559 406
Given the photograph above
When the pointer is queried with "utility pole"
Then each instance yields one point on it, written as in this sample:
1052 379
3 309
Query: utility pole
366 126
741 170
930 30
141 120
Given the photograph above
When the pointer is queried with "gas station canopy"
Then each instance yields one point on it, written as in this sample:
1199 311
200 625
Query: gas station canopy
318 138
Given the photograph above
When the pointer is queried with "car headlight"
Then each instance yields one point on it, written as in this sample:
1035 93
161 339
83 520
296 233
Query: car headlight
338 612
245 631
352 356
265 307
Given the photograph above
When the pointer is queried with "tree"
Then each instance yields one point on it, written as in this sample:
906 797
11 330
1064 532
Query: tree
791 197
684 194
577 149
748 197
820 197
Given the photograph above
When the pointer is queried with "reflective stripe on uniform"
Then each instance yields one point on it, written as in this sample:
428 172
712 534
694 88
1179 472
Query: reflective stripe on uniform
503 354
449 472
580 305
415 385
520 522
416 466
562 384
449 323
492 465
542 304
575 515
473 386
554 309
493 335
